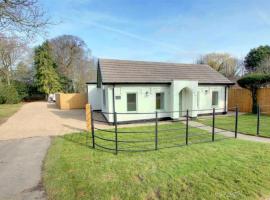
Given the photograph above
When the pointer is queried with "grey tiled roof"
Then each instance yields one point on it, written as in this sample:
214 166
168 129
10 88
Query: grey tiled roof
126 71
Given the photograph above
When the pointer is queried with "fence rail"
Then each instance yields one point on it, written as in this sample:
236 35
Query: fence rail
155 136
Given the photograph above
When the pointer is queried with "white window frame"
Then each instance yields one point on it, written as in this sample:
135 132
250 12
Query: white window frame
136 101
160 100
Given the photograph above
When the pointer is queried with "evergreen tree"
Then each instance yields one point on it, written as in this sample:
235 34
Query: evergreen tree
47 79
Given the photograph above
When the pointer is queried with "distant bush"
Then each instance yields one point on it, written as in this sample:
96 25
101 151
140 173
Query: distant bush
34 94
8 94
28 91
22 89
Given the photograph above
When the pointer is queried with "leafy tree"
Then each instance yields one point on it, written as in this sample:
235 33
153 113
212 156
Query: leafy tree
253 82
222 62
46 77
255 57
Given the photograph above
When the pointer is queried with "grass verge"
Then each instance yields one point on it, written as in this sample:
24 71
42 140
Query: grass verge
6 110
247 124
227 169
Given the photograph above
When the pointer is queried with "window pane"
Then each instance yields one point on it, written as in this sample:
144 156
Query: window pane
131 102
215 98
159 101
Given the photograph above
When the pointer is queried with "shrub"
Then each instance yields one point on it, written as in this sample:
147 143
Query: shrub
34 94
8 94
253 82
22 89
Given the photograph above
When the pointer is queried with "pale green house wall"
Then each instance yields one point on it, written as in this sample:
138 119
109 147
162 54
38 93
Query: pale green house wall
196 97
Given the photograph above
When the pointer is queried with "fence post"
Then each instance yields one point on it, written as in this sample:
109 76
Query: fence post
187 115
115 131
156 132
92 127
213 125
258 119
236 122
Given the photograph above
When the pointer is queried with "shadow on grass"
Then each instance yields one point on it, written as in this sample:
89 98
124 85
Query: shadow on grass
85 140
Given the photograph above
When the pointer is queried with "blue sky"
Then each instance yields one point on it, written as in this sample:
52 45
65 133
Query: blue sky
163 30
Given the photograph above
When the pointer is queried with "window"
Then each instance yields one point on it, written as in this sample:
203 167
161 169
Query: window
104 97
131 102
214 98
159 101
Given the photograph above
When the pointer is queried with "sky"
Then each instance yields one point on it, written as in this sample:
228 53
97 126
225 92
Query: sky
162 30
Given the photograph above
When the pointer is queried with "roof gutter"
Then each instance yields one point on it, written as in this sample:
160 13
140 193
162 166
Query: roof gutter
167 83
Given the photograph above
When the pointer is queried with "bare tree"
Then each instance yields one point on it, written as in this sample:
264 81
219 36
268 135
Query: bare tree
23 72
22 17
72 57
11 50
222 62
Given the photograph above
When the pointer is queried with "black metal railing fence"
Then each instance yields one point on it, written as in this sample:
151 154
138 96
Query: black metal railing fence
159 135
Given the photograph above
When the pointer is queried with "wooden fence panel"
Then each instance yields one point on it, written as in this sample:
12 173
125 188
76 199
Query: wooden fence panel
242 99
264 100
71 101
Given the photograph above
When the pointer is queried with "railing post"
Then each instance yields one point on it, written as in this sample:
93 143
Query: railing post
156 131
92 127
115 131
236 122
213 125
258 119
187 116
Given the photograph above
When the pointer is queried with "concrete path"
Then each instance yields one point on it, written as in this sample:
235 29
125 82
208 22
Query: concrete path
20 168
42 119
229 133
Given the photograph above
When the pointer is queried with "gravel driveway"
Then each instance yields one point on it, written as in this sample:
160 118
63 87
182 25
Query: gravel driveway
42 119
24 141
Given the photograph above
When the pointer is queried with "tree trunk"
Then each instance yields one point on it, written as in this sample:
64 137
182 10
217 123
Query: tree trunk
8 79
254 100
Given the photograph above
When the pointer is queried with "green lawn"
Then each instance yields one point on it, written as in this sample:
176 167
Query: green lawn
247 124
226 169
6 110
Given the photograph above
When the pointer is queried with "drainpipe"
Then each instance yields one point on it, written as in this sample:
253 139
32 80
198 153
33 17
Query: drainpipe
113 98
225 107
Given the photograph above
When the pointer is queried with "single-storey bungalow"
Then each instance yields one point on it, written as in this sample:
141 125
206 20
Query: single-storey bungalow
137 89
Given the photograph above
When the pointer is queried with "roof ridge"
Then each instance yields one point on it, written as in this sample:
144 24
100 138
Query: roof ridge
155 62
